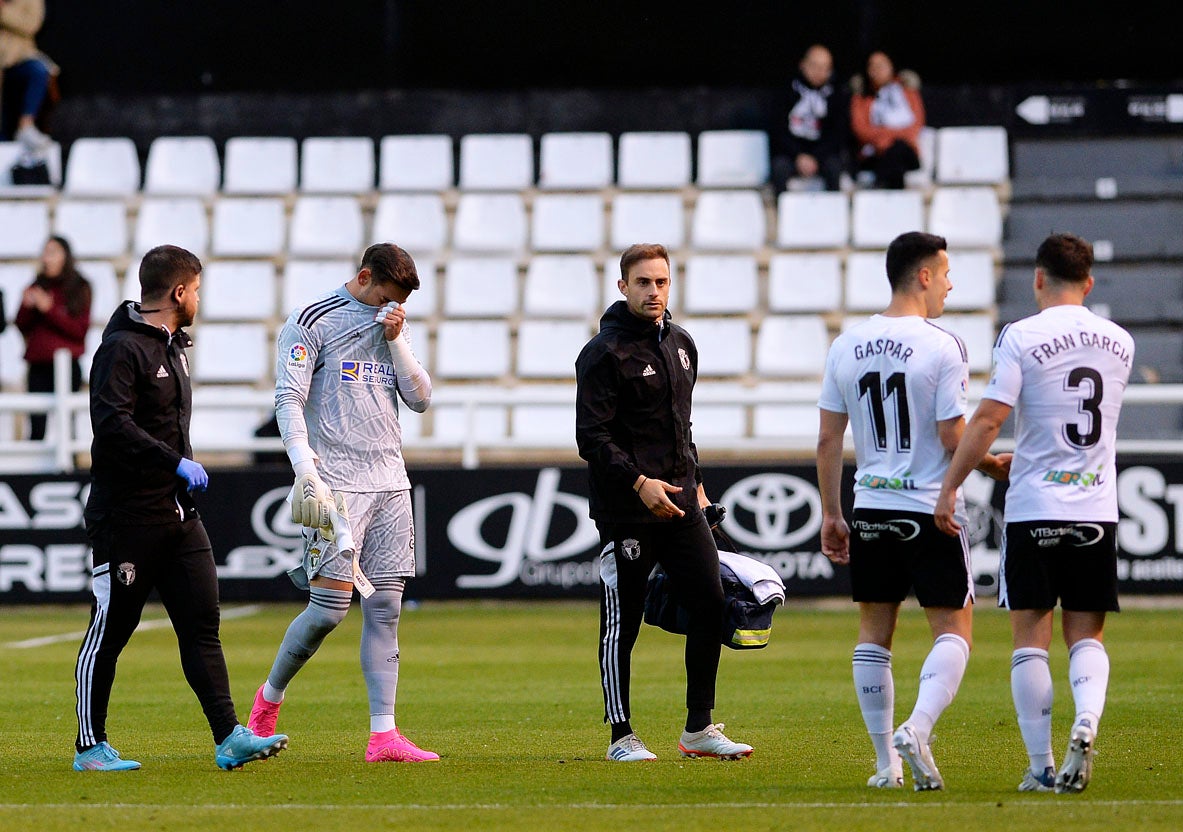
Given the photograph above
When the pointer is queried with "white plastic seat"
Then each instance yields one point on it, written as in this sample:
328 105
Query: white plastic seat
969 217
95 228
337 165
11 153
785 421
611 288
13 369
812 220
575 161
416 163
416 222
14 279
249 227
480 287
792 345
547 425
721 284
548 349
647 218
560 285
724 345
496 162
182 166
472 349
489 223
921 178
732 158
728 221
179 221
305 280
453 423
94 337
102 167
712 420
878 217
654 160
232 352
568 222
977 332
326 226
220 428
422 302
24 227
236 290
972 155
804 283
973 279
867 289
105 290
265 165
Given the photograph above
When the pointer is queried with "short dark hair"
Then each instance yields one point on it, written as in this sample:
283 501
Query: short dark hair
164 267
906 254
1065 257
390 264
641 251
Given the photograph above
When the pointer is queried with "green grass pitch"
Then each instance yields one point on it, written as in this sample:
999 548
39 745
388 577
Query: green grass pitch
509 695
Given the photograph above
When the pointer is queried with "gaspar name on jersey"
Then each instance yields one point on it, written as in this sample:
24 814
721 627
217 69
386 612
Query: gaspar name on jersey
883 346
1083 338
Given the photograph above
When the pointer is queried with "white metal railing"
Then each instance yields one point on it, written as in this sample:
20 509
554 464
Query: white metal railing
63 409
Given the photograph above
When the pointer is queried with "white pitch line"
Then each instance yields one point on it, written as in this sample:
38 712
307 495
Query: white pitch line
154 624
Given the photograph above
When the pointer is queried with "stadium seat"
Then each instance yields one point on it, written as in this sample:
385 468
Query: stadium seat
728 221
232 352
721 284
1158 357
489 223
305 280
568 222
14 279
713 419
452 423
546 425
655 218
561 285
102 167
791 345
337 165
968 155
921 178
480 287
878 217
182 166
249 227
496 162
1098 168
786 421
548 349
732 158
977 333
106 293
611 290
1118 230
416 222
94 337
654 160
423 301
326 226
95 228
11 153
416 163
24 227
575 161
724 345
262 166
812 220
472 349
13 369
1132 294
238 290
179 221
223 428
969 217
972 276
867 289
804 283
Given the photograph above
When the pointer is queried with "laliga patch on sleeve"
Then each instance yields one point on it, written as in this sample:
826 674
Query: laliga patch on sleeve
298 356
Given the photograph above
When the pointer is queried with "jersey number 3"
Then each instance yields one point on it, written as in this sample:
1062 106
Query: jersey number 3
1090 406
877 393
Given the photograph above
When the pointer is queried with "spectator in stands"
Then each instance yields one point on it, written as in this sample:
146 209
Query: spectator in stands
26 68
811 143
54 314
886 116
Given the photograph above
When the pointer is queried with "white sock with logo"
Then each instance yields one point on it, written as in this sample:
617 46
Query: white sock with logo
940 676
875 689
1031 688
1088 670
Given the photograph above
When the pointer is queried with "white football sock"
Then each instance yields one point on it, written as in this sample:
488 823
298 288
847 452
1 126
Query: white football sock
1031 688
875 689
1088 670
940 677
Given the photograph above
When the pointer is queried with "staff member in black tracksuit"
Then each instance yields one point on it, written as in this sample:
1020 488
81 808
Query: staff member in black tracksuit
632 423
141 521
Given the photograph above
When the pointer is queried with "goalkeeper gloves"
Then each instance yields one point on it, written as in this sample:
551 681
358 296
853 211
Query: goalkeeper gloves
312 504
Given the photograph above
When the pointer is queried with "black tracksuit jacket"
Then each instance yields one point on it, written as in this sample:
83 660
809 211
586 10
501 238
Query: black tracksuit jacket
140 406
632 413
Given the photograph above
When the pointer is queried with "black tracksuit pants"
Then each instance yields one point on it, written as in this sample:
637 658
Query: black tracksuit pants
130 561
686 550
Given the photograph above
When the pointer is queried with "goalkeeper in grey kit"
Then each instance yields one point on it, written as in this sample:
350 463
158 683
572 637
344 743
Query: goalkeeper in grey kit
343 363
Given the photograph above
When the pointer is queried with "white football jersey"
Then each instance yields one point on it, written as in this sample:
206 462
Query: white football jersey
896 378
1064 371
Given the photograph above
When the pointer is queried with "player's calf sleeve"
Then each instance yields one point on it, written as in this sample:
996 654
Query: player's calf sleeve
326 609
940 677
874 687
1088 670
379 649
1031 688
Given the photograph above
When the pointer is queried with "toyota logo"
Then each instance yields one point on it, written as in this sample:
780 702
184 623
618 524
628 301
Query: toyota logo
772 511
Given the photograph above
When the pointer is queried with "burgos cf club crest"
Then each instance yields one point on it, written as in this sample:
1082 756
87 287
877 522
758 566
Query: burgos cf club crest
684 358
298 356
127 573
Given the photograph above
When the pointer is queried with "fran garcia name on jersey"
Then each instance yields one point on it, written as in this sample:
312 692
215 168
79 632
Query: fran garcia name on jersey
1083 338
368 372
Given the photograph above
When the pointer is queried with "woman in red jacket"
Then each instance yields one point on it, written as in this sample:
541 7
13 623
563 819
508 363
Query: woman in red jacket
886 115
54 314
